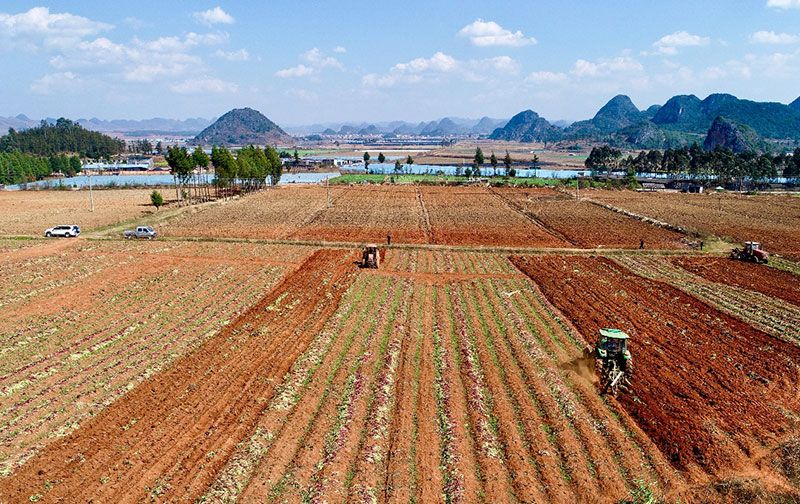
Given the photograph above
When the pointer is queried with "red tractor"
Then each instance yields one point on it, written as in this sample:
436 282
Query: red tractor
752 252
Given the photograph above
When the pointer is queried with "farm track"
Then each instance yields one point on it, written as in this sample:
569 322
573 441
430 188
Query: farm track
772 315
426 219
163 413
742 393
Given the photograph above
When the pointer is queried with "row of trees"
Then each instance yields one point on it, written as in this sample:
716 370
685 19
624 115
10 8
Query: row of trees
250 170
145 146
479 159
18 168
475 170
63 136
721 164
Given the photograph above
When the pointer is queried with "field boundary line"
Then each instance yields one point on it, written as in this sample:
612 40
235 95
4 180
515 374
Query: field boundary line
423 246
426 218
517 208
643 218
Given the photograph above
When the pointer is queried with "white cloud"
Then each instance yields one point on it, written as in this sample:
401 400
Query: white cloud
546 77
213 16
204 85
315 62
770 37
502 64
439 62
488 33
39 25
669 44
296 71
55 83
439 65
606 66
784 4
240 55
339 50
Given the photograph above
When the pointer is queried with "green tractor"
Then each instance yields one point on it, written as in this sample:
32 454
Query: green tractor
614 361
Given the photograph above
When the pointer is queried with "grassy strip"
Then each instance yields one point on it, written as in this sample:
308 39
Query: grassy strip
401 178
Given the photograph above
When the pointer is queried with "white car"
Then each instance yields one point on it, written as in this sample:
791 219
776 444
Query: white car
70 231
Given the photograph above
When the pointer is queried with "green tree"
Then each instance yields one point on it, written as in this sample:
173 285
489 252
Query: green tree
75 165
275 164
507 163
296 157
156 199
181 166
493 162
478 159
398 166
366 160
381 157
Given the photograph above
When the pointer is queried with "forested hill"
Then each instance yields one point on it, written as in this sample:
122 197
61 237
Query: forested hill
63 136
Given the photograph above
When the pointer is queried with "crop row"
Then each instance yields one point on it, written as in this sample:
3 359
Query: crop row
440 261
459 391
99 355
771 315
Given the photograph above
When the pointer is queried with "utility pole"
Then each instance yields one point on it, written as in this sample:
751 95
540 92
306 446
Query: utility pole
328 191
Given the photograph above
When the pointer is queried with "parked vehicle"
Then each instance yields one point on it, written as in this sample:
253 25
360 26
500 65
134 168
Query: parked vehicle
140 232
66 231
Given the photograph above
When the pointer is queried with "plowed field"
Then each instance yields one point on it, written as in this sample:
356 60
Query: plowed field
587 225
476 216
207 367
168 437
83 326
773 220
710 390
29 213
769 281
369 214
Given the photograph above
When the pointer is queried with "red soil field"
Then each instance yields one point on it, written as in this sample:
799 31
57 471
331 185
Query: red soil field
587 225
271 214
168 437
770 281
369 214
475 216
774 220
708 389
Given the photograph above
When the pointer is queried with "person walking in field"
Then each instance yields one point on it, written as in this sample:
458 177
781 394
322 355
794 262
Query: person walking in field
388 239
641 244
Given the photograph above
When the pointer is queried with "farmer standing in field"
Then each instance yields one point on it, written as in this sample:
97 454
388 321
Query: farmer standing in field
388 239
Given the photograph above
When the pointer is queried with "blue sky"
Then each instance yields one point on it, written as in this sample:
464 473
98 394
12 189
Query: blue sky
307 61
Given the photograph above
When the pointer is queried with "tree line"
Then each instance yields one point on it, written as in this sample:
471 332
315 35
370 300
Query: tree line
248 171
19 168
63 136
720 164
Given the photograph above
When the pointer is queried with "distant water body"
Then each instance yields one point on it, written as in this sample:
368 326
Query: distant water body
151 180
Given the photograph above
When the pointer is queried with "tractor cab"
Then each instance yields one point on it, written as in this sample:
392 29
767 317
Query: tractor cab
614 361
751 251
371 257
613 343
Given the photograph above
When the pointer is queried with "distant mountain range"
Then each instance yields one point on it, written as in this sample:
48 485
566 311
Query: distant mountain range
719 119
681 120
155 125
448 126
241 127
